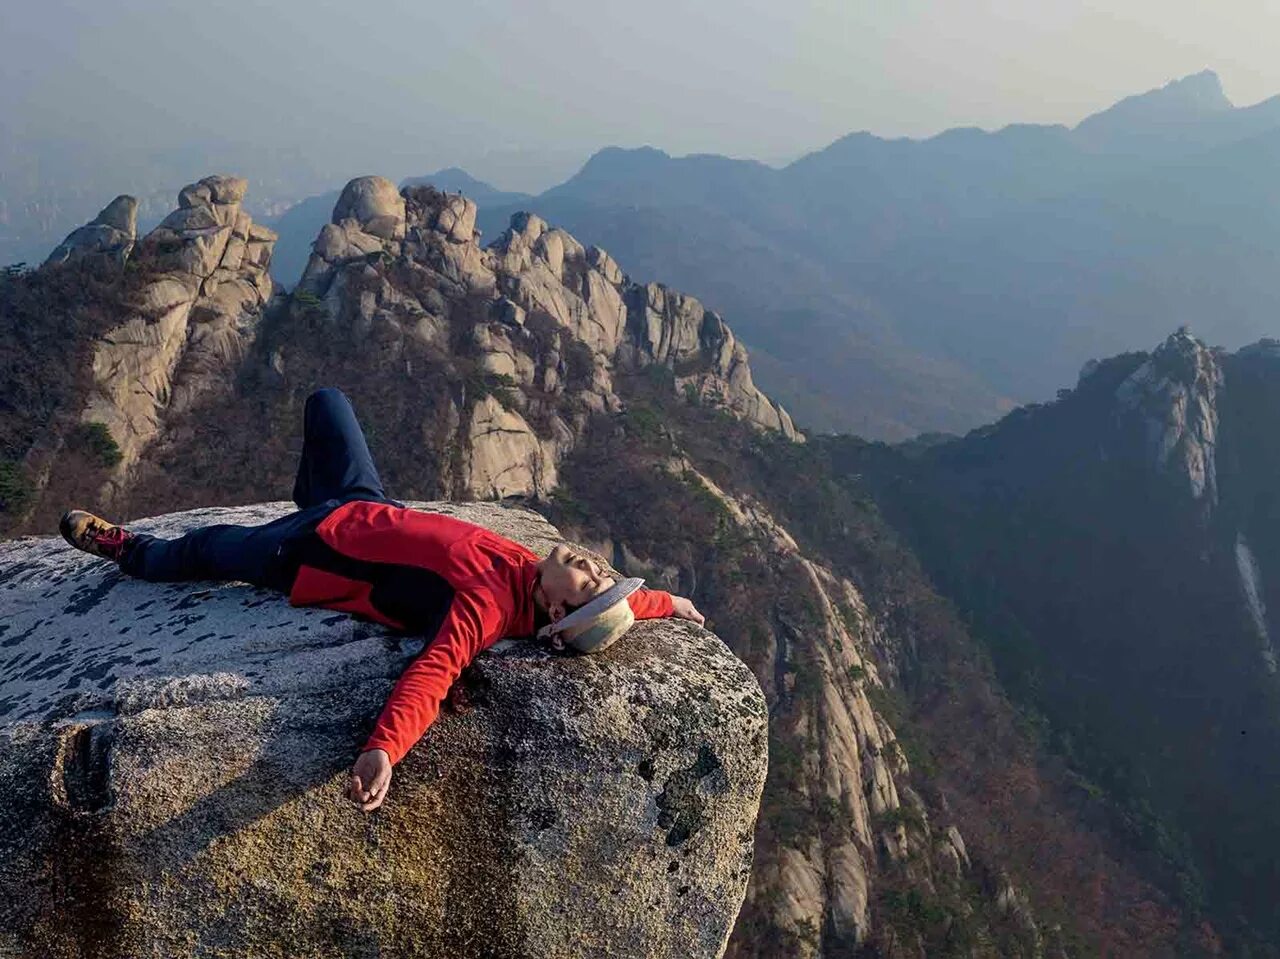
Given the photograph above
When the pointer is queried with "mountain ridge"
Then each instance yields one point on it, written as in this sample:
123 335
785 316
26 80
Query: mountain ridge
892 242
955 259
905 803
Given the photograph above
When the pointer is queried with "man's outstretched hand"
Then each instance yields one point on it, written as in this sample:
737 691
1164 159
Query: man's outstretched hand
370 779
684 609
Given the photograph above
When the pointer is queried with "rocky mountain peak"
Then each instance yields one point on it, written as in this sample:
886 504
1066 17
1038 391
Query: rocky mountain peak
110 234
1184 356
1172 399
554 322
374 204
1184 100
1200 92
202 287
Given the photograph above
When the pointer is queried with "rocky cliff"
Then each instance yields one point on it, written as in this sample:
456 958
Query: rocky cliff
184 329
907 811
1171 399
534 329
833 751
173 760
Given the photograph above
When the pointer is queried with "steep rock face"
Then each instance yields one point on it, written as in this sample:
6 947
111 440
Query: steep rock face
875 836
842 817
110 234
1173 399
550 325
173 759
1249 454
207 284
673 329
819 670
505 457
1252 590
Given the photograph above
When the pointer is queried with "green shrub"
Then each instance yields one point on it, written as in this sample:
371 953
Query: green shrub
645 424
912 910
310 306
481 383
807 933
95 440
579 361
305 298
15 491
906 816
809 679
829 812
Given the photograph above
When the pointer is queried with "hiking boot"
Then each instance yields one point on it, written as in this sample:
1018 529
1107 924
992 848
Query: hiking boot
93 534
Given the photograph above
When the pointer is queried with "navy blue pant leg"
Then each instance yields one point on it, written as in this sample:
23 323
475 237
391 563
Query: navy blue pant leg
335 467
247 554
335 463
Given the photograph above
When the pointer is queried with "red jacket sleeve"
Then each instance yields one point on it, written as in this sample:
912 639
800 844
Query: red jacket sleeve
650 603
471 625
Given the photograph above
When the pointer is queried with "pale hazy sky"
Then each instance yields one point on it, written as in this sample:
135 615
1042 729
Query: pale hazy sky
404 86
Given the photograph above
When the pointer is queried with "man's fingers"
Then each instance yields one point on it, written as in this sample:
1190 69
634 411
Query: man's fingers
690 612
357 792
373 803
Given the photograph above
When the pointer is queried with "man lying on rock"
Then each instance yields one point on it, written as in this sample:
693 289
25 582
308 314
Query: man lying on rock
351 548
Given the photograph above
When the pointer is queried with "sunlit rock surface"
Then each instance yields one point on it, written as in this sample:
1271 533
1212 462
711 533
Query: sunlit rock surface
173 759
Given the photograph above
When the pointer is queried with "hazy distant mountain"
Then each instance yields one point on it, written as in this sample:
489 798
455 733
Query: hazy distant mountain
297 228
893 286
729 229
1187 113
454 180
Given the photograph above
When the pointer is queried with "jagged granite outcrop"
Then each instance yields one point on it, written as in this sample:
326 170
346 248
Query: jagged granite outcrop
849 763
1173 396
173 758
110 235
187 328
553 321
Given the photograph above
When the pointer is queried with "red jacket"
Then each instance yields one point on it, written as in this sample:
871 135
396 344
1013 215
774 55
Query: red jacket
451 580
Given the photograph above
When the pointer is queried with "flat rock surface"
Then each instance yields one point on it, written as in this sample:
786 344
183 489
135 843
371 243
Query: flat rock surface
173 758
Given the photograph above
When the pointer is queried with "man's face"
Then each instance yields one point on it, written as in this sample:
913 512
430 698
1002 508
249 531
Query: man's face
569 579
